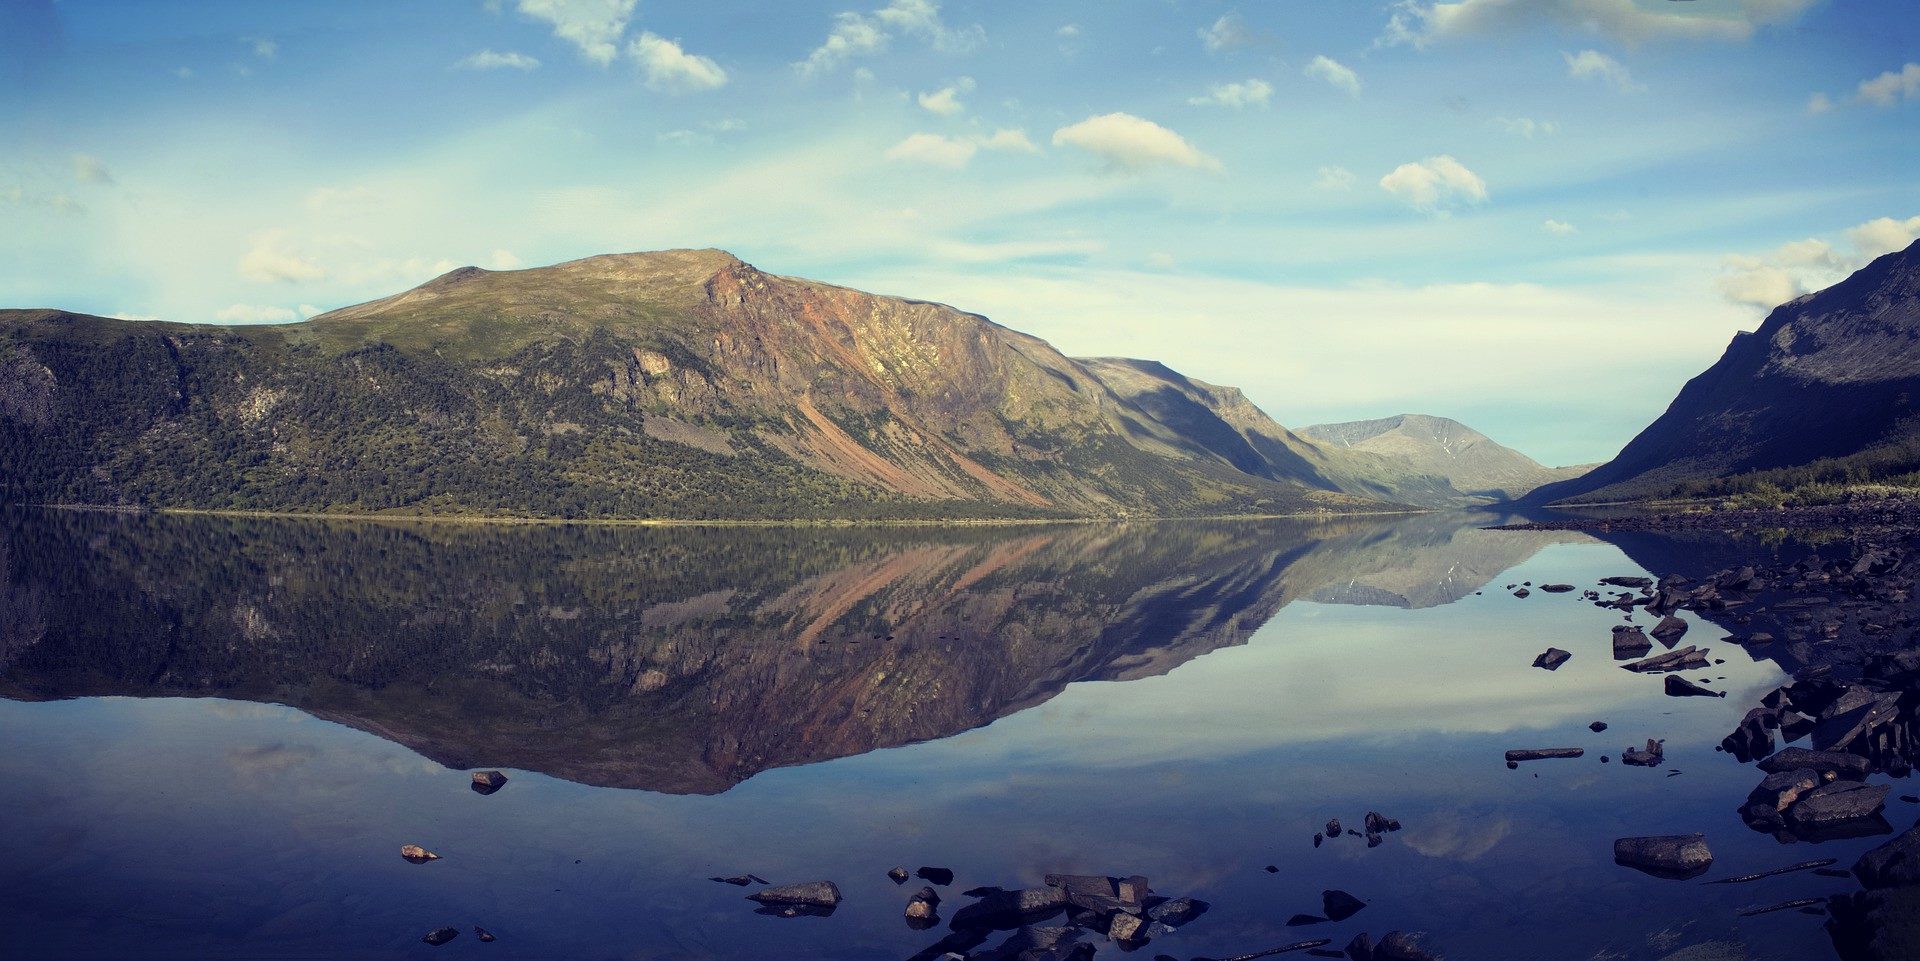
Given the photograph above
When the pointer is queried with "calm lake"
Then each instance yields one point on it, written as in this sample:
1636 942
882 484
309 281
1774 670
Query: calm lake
218 732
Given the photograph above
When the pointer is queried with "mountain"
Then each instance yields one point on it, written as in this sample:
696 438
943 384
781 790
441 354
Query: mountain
682 383
1467 466
1823 391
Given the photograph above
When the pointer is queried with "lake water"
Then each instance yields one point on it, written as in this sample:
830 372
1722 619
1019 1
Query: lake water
217 733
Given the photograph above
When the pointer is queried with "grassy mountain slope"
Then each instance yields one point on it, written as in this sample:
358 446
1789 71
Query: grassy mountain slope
1822 392
671 384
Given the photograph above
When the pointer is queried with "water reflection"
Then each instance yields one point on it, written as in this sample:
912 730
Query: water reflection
676 660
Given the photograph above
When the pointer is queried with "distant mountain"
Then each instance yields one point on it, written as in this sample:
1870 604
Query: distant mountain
673 384
1470 465
1823 391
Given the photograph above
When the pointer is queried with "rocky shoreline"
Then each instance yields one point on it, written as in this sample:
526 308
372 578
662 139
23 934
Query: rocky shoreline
1841 620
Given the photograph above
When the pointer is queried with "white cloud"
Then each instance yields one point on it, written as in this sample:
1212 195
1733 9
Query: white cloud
1129 143
184 73
1893 86
503 260
1795 269
492 60
1422 22
1594 65
88 169
254 314
1335 178
1559 227
1239 93
133 316
1335 73
594 26
1161 260
856 34
946 100
1435 185
1227 33
1069 31
308 310
334 198
1819 103
668 67
263 47
1527 126
269 261
934 150
1010 140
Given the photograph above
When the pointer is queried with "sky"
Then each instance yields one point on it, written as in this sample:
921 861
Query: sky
1539 217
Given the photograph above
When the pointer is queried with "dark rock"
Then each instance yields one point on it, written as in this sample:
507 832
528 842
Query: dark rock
1373 840
1753 738
1523 593
1632 582
1010 909
1360 948
1654 755
1846 721
487 782
1302 920
1779 791
923 909
1684 659
1177 912
1893 864
1557 588
940 876
1542 754
1677 856
485 936
1876 925
1552 658
1400 946
1678 686
1333 828
1378 823
738 880
1629 642
1597 726
899 875
417 854
1339 905
818 894
440 936
1850 766
1318 838
1839 801
1669 630
1126 927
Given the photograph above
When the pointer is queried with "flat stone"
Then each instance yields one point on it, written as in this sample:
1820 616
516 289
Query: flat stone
487 782
1669 630
1851 766
1544 753
440 936
1339 905
817 894
1836 802
1678 686
1675 856
1629 642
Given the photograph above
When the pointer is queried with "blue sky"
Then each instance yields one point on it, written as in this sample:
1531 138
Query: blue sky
1537 216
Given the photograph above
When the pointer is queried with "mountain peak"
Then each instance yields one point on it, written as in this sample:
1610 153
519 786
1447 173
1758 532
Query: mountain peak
1471 461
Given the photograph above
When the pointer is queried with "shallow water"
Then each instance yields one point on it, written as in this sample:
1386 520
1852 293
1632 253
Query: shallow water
218 732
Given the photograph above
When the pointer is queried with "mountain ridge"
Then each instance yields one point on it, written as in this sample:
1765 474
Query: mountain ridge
1473 467
682 383
1821 391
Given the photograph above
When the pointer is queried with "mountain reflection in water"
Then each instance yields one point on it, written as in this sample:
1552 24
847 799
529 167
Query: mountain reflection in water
678 660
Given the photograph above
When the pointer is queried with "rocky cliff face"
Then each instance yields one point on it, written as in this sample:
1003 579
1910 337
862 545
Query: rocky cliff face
1470 467
681 383
1831 377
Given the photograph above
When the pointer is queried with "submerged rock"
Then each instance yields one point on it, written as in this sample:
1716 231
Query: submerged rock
485 936
487 782
1178 911
1674 856
1653 755
940 876
1849 766
817 894
1543 754
440 936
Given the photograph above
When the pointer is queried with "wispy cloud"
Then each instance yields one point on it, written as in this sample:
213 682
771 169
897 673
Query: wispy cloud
863 34
1227 33
1422 22
1594 65
669 67
946 100
1237 94
1335 73
492 60
1800 267
594 26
